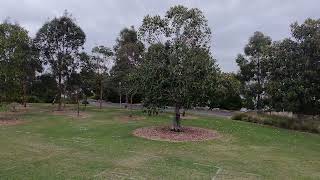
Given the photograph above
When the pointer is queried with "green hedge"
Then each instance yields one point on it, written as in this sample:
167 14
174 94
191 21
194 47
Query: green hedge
305 125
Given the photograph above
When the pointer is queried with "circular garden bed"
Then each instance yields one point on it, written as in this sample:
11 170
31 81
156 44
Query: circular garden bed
163 133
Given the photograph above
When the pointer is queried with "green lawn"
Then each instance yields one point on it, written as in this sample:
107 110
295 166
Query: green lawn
101 146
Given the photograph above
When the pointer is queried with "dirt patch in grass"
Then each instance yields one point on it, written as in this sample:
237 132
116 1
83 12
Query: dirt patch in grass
127 118
71 114
163 133
10 122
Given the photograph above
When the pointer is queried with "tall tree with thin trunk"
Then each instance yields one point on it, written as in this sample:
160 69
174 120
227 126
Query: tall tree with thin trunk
178 62
59 42
253 70
128 55
101 57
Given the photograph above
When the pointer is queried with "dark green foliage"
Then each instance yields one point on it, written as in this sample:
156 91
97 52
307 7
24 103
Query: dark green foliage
128 56
226 93
59 42
253 70
45 88
19 62
295 70
178 65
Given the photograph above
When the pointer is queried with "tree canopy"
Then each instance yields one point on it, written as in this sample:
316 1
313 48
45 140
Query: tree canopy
178 62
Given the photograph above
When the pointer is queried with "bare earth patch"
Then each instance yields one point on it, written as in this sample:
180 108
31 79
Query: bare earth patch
127 118
4 122
72 114
163 133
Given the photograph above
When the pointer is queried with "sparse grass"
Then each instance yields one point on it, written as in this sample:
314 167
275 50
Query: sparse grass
102 147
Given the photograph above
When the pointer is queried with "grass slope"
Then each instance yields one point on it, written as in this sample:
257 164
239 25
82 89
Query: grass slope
101 147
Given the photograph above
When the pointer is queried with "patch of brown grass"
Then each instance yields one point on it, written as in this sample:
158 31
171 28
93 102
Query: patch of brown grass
10 122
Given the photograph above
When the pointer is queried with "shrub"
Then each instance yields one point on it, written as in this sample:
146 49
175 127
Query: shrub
306 125
33 99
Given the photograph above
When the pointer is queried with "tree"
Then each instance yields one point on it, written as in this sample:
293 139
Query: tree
307 35
226 93
101 57
253 70
44 88
59 42
18 62
294 70
178 64
87 76
128 55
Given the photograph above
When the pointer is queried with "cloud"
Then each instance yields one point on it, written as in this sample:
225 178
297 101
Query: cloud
232 21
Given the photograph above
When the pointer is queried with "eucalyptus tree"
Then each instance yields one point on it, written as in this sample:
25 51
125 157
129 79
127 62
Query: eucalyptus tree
87 76
18 62
285 79
59 42
307 35
101 59
294 72
253 69
178 64
128 55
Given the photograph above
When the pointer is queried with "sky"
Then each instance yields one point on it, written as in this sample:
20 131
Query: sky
232 21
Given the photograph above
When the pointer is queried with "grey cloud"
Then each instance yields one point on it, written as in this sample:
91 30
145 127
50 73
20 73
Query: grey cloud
232 21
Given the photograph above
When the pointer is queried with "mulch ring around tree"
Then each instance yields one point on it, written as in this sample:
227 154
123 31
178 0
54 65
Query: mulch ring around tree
163 133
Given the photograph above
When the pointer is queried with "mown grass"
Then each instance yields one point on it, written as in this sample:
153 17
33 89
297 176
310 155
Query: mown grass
101 146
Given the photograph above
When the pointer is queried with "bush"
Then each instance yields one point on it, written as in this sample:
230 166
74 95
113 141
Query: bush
33 99
306 125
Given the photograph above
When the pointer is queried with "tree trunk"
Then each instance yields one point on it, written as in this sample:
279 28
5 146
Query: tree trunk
60 94
101 90
176 124
131 97
120 100
24 89
85 103
183 113
127 101
78 104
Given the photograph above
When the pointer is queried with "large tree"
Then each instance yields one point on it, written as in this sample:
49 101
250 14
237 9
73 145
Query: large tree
178 64
253 70
101 61
294 70
308 37
18 62
128 55
59 42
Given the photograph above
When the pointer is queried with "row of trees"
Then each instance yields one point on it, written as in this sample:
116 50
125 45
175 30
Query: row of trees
167 61
283 75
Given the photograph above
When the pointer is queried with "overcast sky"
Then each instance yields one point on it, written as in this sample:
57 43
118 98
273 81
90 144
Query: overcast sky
231 21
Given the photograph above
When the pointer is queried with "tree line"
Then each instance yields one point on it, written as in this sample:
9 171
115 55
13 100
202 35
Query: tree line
283 75
166 61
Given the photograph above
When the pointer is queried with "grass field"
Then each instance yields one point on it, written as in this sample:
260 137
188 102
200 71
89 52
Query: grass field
101 146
